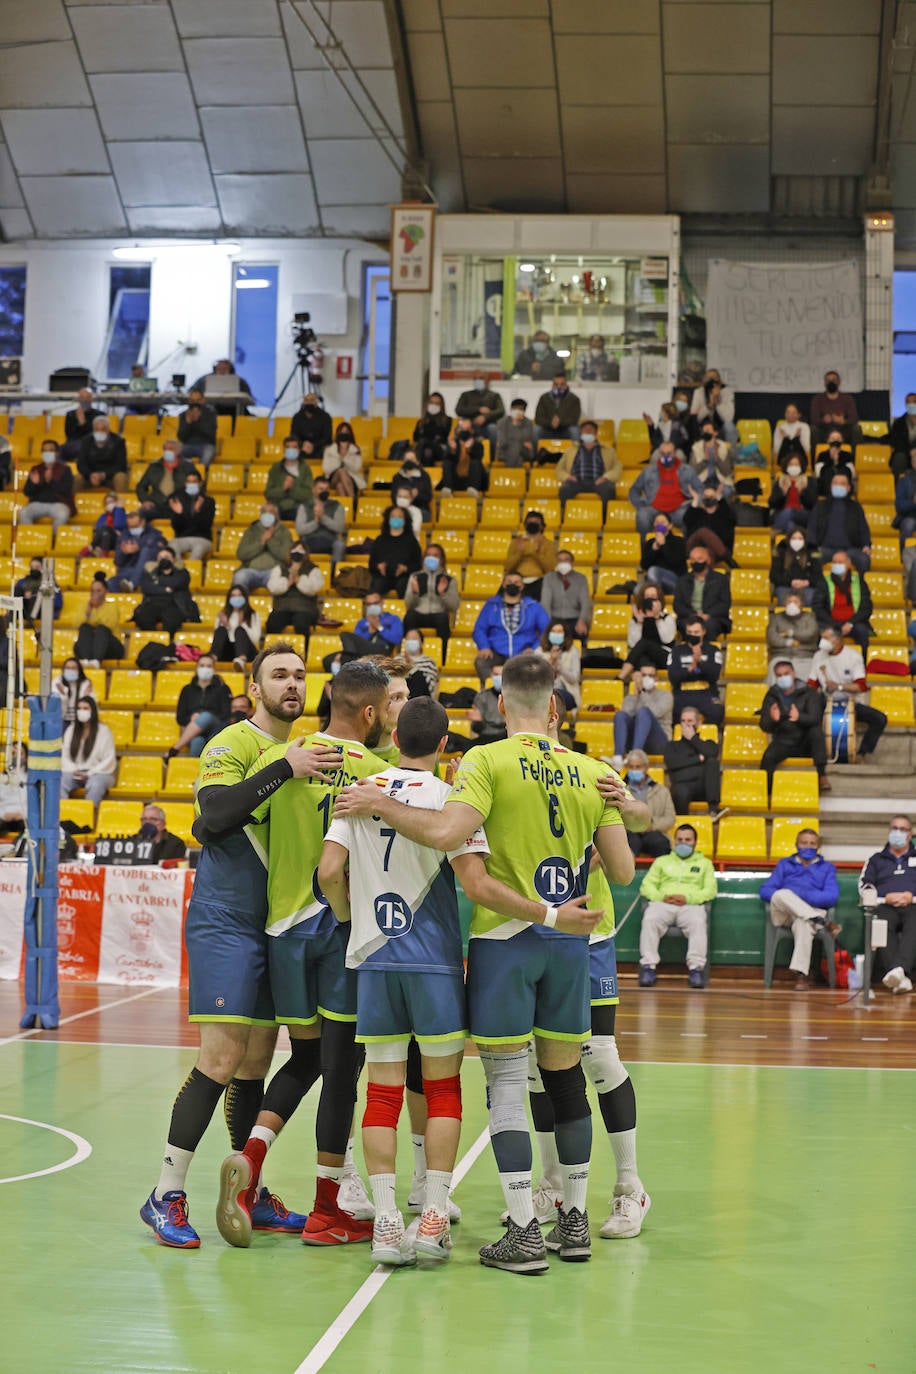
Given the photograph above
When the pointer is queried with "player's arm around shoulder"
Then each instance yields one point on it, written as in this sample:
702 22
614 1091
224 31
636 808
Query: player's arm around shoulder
572 918
616 855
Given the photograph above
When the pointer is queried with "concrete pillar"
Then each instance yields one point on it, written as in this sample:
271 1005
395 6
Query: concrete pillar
410 348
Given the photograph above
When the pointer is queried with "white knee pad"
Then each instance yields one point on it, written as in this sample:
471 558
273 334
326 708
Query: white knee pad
441 1049
535 1081
601 1062
507 1086
387 1052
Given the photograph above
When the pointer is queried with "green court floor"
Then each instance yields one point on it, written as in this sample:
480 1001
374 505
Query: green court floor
780 1238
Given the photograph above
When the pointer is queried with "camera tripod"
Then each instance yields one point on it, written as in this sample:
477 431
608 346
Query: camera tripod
300 366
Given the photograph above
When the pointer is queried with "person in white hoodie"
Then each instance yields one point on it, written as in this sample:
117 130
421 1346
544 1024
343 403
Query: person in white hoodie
88 758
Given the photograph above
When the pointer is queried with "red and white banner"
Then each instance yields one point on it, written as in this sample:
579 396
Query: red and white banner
114 925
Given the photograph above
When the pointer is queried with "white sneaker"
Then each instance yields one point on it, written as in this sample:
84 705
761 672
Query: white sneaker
904 985
416 1201
627 1215
353 1198
546 1201
893 978
433 1240
389 1242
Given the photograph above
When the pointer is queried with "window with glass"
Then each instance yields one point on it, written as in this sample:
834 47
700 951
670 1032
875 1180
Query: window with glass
127 340
375 348
254 317
12 311
599 319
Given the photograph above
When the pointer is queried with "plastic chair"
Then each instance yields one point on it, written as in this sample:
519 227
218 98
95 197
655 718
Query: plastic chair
742 837
179 817
896 703
753 548
609 622
180 778
749 622
794 790
757 432
744 789
499 513
703 826
597 736
508 482
119 818
455 544
889 626
599 692
583 545
773 936
79 810
460 655
156 732
549 507
138 777
583 513
482 579
876 488
747 661
750 585
457 512
130 687
469 609
742 701
620 548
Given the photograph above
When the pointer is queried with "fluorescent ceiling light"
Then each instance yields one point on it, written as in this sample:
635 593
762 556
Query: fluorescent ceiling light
562 352
526 267
140 252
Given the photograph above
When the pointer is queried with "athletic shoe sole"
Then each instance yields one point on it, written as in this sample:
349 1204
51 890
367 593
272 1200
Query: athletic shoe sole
392 1257
335 1235
233 1220
169 1244
517 1266
632 1231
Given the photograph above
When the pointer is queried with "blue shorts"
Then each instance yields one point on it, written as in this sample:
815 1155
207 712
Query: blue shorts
227 965
602 972
309 976
393 1003
534 983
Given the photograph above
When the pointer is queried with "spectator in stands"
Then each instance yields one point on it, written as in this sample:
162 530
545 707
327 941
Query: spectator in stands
166 846
432 430
791 714
431 595
72 686
204 707
792 439
242 708
887 884
311 421
412 482
794 568
509 623
902 438
711 459
837 668
693 671
558 410
423 678
655 795
463 466
715 400
669 428
383 629
224 367
166 596
837 458
562 653
793 633
650 632
48 489
664 556
565 596
709 523
481 406
342 463
486 723
237 632
321 523
664 488
394 554
904 501
6 463
693 766
842 598
29 588
531 554
679 888
191 515
98 637
102 458
289 481
594 365
792 496
88 758
833 407
109 527
295 591
139 544
800 891
705 593
515 439
78 424
264 545
644 718
163 479
593 470
197 428
539 360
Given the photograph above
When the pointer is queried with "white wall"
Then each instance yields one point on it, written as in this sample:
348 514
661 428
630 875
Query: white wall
191 300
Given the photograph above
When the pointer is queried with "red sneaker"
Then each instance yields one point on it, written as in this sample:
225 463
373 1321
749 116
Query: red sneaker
236 1199
327 1224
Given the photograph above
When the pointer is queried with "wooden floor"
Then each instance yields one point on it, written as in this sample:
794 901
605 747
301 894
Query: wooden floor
733 1021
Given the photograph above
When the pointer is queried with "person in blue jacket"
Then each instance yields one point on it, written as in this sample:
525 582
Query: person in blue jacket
509 623
800 890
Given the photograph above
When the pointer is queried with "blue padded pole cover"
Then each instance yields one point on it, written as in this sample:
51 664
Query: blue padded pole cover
42 1006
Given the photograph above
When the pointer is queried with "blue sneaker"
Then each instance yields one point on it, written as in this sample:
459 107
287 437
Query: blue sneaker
647 976
269 1214
695 978
167 1218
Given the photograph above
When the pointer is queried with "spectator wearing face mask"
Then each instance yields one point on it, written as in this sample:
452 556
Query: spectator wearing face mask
650 632
793 633
693 671
714 400
693 768
48 489
264 545
837 459
594 365
102 459
904 502
423 678
657 798
710 523
295 591
312 422
88 758
163 479
558 411
289 482
29 588
670 427
839 670
791 714
509 623
664 556
539 360
463 466
887 884
138 545
431 596
665 487
515 439
166 597
833 407
72 686
481 407
237 632
197 428
109 527
705 593
98 637
486 723
562 653
204 707
531 554
321 523
794 568
166 846
383 629
78 425
644 718
431 431
792 497
191 515
394 554
711 459
842 598
412 481
679 887
566 597
800 890
902 437
792 439
342 463
593 470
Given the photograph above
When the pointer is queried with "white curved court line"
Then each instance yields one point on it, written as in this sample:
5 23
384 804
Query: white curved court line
83 1148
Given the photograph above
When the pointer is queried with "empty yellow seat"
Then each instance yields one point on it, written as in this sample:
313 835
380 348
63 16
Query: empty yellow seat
598 692
742 701
491 546
121 725
542 482
458 512
370 510
876 488
482 579
469 609
744 789
886 589
499 512
224 477
750 585
889 626
156 732
597 736
610 621
583 545
72 539
180 778
218 574
794 790
896 703
246 508
583 513
746 661
508 482
743 743
33 540
129 687
753 548
119 817
179 817
749 622
621 549
140 777
619 516
873 429
742 837
168 687
461 654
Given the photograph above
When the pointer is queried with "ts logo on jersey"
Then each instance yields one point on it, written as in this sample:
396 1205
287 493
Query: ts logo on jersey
554 881
392 915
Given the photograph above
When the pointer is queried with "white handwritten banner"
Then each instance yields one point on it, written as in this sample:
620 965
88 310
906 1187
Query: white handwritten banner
12 910
771 328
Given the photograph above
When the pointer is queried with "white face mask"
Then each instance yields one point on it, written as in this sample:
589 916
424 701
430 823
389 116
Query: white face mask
411 646
433 409
825 645
100 436
564 569
793 609
838 569
403 502
794 470
204 674
797 544
786 681
589 439
518 415
648 684
479 384
83 716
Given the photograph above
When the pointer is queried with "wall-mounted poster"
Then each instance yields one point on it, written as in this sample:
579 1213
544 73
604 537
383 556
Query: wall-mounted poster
412 233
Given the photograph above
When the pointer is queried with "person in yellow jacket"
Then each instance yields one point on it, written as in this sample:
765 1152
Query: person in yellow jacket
678 885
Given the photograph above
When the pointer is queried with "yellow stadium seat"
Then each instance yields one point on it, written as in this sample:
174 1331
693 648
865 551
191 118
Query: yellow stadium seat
794 790
197 639
246 507
469 609
180 778
70 540
757 432
583 513
255 427
742 701
703 826
619 516
876 488
79 810
400 427
90 505
168 427
461 654
320 645
610 621
138 426
584 548
597 736
179 817
871 458
499 512
889 626
482 579
228 540
621 549
746 661
750 585
894 653
548 507
33 541
491 546
237 450
508 482
872 429
455 544
129 687
753 548
607 432
218 574
749 622
156 732
880 520
744 789
271 449
632 443
457 512
885 554
121 725
742 837
119 818
90 566
224 477
367 430
56 429
140 777
743 743
597 692
542 482
224 426
73 610
886 588
896 703
784 833
28 431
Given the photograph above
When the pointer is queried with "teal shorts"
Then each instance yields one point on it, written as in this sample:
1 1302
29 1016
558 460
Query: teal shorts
536 983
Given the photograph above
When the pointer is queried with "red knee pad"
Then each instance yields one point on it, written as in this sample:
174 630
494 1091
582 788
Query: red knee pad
443 1096
383 1104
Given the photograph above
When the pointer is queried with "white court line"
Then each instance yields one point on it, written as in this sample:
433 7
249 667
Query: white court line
78 1016
693 1035
325 1346
83 1148
875 1039
815 1037
753 1037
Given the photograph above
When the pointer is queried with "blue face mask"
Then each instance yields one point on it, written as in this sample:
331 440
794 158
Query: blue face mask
335 669
681 405
237 602
635 775
556 636
683 851
807 851
497 684
431 563
396 523
911 409
838 491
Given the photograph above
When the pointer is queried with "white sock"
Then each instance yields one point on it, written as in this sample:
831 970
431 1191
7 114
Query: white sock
575 1186
175 1165
438 1183
623 1143
328 1171
382 1186
550 1160
517 1192
349 1166
419 1156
